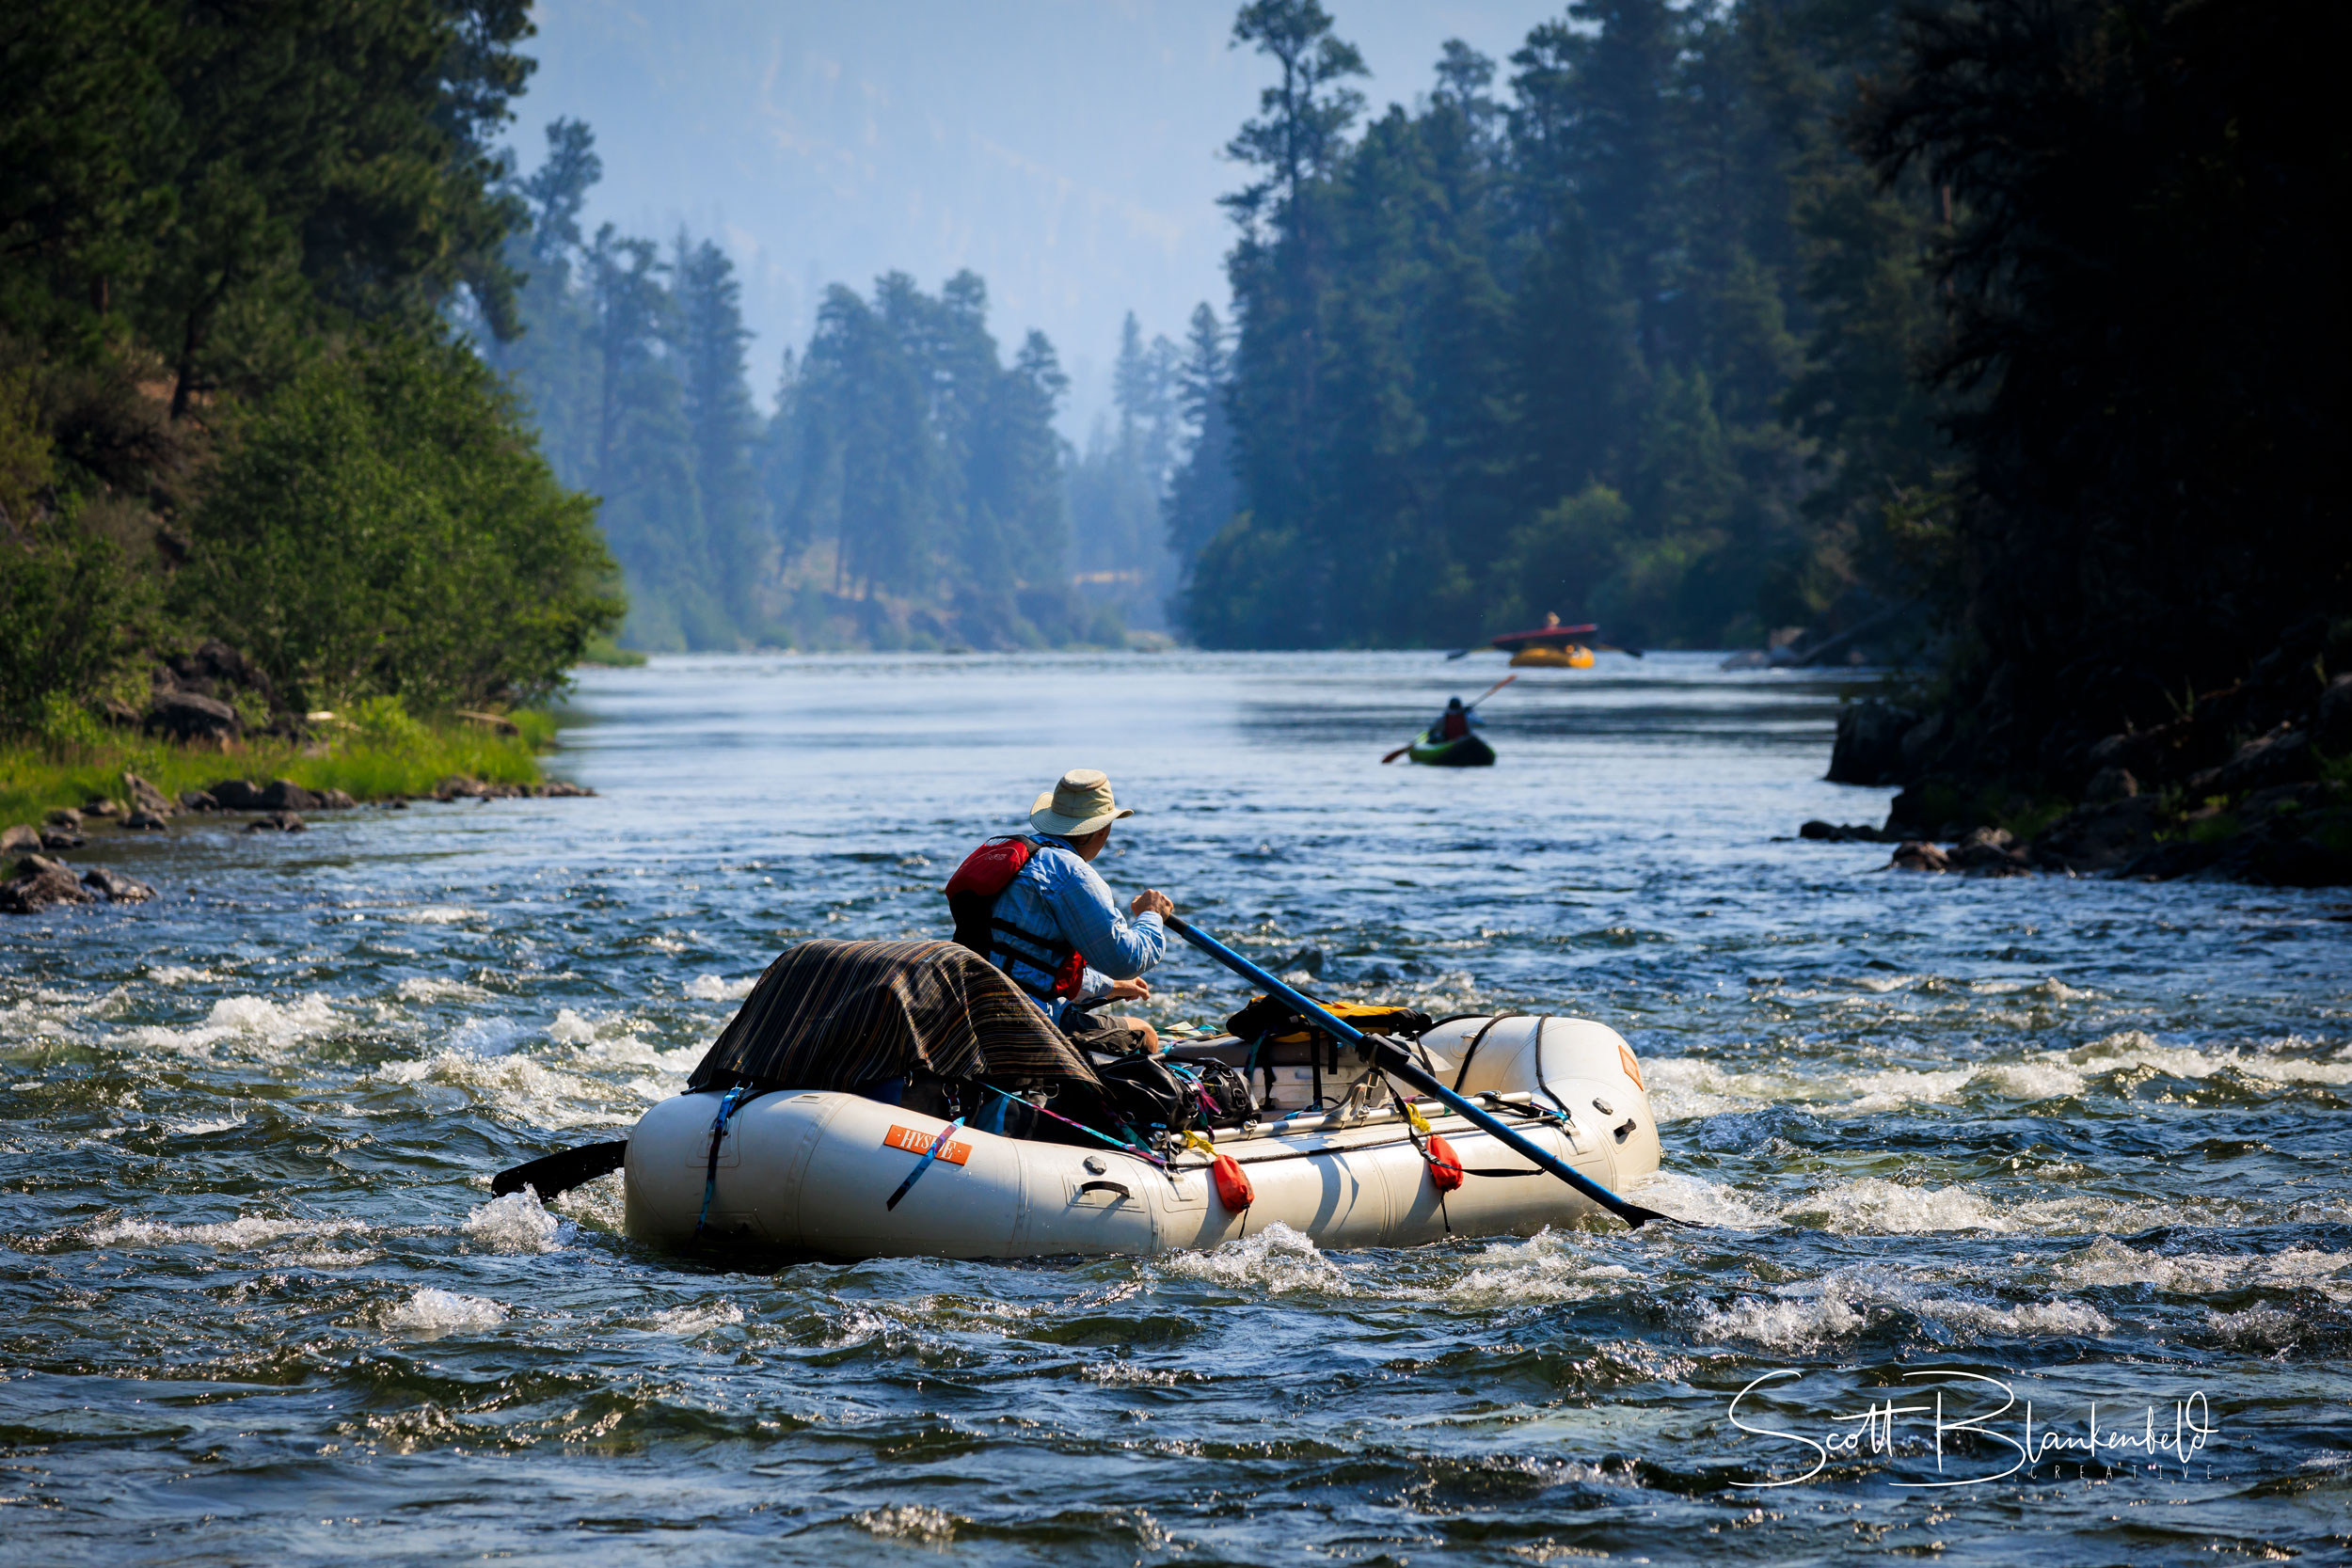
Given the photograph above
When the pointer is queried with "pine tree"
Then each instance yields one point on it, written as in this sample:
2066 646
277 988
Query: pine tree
931 467
718 408
1280 270
643 454
633 370
554 361
1200 493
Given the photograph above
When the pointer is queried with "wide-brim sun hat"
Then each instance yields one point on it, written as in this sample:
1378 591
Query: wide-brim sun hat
1077 805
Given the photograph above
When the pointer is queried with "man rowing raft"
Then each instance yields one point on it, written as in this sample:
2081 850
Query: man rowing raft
1038 910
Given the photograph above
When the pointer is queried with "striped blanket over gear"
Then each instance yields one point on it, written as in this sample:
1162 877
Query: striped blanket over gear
834 1015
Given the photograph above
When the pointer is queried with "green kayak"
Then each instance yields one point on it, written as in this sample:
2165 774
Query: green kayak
1467 751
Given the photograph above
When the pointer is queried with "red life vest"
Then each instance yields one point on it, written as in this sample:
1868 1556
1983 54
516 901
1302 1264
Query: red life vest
972 893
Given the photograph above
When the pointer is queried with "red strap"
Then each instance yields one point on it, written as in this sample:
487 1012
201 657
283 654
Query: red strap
1445 1166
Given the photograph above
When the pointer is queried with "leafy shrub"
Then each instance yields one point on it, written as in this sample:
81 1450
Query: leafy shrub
73 617
385 526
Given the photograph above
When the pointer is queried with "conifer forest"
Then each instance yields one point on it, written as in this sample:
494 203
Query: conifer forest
1993 328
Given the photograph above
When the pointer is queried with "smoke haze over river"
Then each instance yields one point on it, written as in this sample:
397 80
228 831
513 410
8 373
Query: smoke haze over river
2085 1137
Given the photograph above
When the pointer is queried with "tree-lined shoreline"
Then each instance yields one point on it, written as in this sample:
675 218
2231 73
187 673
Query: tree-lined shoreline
1990 334
231 405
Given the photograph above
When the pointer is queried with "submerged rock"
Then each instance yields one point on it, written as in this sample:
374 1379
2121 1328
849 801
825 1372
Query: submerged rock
333 800
1917 856
144 821
276 822
198 800
58 840
1841 833
1990 853
65 819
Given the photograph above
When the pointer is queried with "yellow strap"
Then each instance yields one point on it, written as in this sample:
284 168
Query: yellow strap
1207 1146
1412 1113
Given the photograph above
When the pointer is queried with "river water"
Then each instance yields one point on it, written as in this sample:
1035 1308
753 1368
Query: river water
2085 1140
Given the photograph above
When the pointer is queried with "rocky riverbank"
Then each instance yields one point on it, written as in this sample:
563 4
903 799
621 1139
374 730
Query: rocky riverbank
40 880
2251 782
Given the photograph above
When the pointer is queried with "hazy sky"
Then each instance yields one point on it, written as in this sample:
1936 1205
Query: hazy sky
1070 153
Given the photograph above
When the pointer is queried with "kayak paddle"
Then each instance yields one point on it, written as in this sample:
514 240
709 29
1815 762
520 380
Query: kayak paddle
1397 1063
1465 707
1488 693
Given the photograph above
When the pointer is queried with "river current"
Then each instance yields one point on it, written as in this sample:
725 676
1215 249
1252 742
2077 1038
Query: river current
2080 1144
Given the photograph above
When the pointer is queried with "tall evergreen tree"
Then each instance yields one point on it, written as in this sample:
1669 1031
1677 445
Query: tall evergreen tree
1275 566
725 428
633 369
1017 466
2145 348
1589 306
1118 482
234 242
1202 492
554 361
643 456
929 467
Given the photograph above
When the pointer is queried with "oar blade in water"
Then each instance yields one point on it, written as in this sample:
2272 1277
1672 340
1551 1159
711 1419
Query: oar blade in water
561 1173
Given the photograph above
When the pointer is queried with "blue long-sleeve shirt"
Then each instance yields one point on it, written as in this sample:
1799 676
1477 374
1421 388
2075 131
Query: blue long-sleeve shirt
1059 895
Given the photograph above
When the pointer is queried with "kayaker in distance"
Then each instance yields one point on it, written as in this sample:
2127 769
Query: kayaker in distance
1039 912
1456 721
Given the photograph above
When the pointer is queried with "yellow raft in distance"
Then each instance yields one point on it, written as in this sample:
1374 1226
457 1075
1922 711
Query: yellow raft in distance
1569 658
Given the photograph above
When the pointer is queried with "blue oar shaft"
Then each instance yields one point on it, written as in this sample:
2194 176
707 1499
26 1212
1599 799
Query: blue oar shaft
1398 1064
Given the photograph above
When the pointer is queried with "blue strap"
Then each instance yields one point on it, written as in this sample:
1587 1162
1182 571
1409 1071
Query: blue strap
718 1135
1250 1067
923 1165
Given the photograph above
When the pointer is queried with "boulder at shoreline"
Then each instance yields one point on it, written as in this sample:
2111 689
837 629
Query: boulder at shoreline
40 883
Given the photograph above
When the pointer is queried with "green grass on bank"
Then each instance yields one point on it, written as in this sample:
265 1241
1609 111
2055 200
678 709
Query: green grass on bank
604 651
379 752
